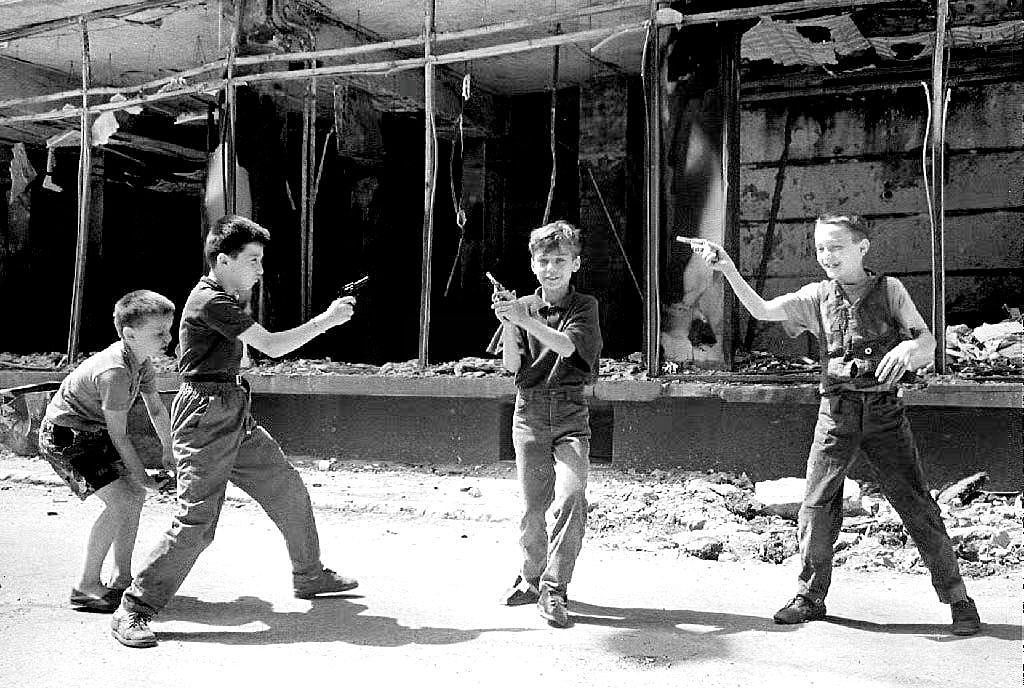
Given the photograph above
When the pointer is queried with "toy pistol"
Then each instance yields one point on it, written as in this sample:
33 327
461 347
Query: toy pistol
353 288
693 243
499 288
696 245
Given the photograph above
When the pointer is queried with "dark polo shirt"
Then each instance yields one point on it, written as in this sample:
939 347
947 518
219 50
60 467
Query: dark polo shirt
578 317
211 321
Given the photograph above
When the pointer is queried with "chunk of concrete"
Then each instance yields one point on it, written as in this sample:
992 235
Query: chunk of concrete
784 496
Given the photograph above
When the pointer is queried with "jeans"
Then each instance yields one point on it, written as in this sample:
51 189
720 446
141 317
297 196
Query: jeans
876 423
215 439
551 436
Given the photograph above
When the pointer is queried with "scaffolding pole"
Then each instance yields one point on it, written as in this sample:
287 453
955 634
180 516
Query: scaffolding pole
84 173
936 146
652 194
429 181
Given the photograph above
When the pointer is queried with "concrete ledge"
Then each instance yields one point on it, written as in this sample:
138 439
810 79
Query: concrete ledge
963 393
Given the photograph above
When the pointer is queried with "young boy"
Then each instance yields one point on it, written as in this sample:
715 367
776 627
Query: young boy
84 437
870 334
551 340
215 439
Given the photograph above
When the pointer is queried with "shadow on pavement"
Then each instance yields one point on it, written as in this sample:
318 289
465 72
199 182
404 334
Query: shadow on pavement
998 631
669 619
662 637
329 620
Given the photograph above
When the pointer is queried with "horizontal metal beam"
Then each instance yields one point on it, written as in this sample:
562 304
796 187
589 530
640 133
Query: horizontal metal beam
114 12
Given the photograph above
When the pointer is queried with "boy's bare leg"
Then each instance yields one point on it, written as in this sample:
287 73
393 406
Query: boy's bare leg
124 543
121 501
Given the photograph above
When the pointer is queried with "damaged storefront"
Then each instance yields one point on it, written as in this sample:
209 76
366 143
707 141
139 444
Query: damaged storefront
421 153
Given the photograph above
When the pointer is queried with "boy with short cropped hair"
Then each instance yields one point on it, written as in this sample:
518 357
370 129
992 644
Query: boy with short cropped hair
84 437
551 340
215 438
870 335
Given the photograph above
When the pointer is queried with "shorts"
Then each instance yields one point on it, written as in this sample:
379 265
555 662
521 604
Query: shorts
85 460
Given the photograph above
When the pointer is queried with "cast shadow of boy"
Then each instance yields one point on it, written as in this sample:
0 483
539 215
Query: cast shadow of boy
328 620
669 635
936 632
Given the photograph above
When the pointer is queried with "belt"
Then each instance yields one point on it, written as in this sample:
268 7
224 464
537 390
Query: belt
222 378
568 394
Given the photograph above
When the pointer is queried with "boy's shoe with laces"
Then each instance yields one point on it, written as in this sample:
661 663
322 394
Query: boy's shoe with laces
966 620
553 606
132 628
325 582
521 592
800 609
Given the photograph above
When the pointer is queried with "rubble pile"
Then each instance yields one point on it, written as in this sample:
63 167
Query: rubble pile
632 368
45 361
311 366
472 366
765 363
719 516
987 352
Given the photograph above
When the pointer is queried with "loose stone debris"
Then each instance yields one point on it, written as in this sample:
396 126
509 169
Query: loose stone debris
721 516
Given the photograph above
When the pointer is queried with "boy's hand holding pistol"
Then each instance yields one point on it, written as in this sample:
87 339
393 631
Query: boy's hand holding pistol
713 254
503 301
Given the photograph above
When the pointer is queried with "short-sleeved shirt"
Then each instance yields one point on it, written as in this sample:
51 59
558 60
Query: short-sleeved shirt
211 321
109 380
803 305
578 316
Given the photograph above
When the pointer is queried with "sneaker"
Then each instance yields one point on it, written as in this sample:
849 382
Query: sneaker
966 620
325 582
553 606
132 628
800 609
84 601
521 592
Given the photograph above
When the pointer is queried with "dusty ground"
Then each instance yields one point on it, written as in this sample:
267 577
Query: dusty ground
432 558
710 515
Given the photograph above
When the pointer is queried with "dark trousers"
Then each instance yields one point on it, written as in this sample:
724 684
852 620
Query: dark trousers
876 423
551 436
216 440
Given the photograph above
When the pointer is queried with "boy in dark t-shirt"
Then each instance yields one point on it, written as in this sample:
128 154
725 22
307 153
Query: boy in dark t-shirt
216 439
551 340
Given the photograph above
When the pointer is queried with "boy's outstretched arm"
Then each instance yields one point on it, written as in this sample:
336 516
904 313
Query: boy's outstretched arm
717 259
162 424
275 344
117 428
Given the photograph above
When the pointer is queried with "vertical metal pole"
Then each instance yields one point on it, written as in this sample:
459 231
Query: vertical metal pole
652 193
729 74
228 149
84 172
430 170
304 228
936 145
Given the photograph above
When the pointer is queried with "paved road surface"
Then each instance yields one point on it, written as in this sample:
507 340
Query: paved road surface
425 615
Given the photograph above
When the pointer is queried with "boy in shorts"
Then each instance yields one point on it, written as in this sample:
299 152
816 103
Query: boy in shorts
84 437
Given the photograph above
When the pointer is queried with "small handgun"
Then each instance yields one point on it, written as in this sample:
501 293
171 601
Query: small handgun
499 288
353 288
696 245
693 243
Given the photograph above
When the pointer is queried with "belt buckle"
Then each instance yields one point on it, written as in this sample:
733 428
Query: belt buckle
238 380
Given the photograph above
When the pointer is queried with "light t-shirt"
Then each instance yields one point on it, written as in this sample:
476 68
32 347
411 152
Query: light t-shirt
109 380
